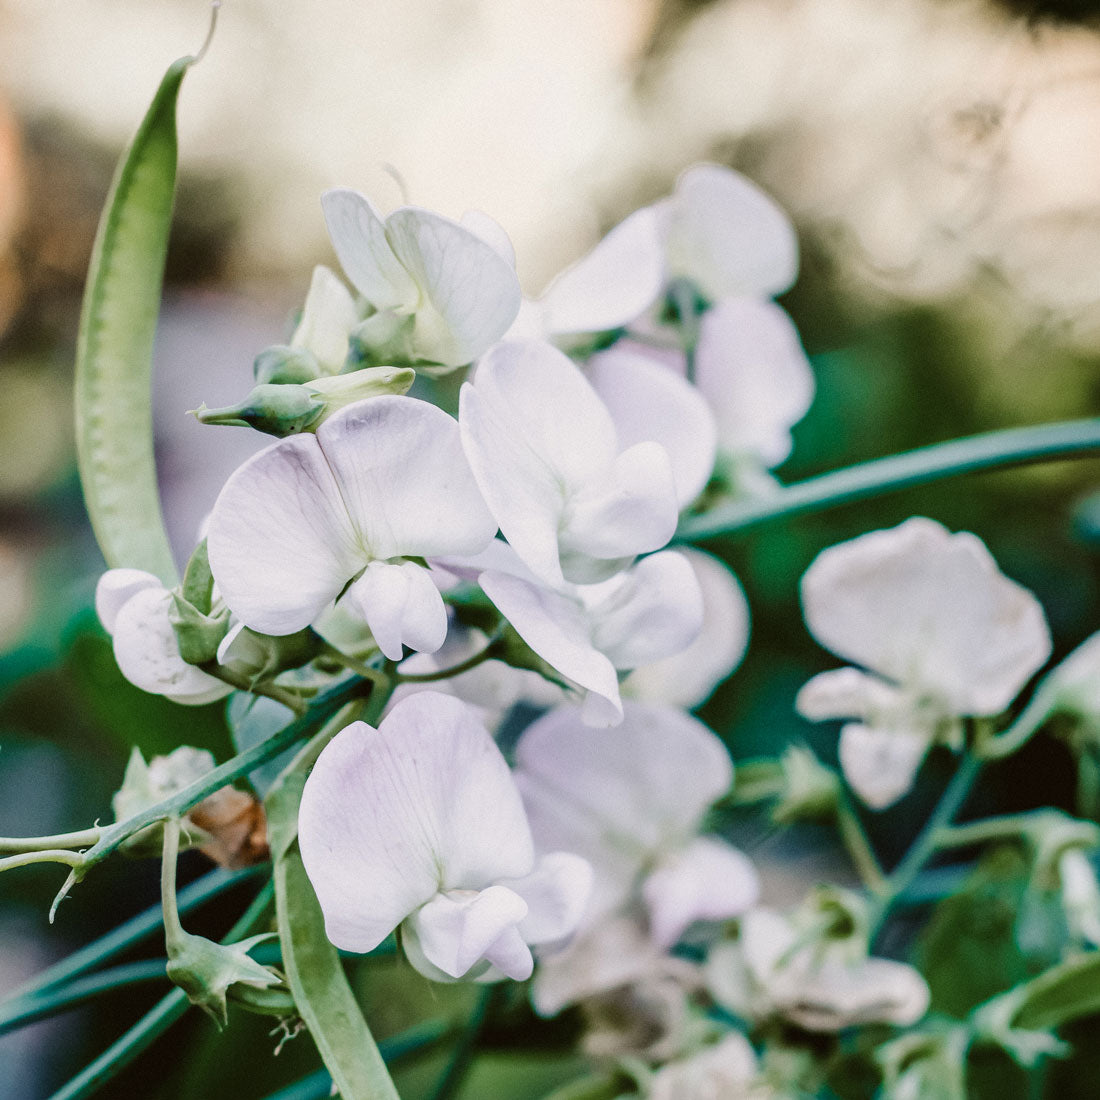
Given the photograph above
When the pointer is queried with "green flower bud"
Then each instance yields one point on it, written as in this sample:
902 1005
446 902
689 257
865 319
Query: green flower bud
206 971
275 409
384 337
284 365
289 409
197 635
810 789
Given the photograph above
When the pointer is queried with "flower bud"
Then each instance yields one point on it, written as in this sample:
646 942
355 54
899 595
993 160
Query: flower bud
206 971
274 409
384 337
197 635
284 365
289 409
810 789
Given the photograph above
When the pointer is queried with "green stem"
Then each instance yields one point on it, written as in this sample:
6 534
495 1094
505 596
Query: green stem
155 1022
858 846
988 451
123 937
1028 722
180 802
982 832
84 838
289 699
465 1049
16 1012
50 855
375 675
927 841
173 929
488 653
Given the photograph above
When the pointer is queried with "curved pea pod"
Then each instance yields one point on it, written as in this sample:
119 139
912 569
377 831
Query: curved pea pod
114 420
314 973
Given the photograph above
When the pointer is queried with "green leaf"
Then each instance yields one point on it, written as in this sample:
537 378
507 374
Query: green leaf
313 970
969 952
1061 994
114 419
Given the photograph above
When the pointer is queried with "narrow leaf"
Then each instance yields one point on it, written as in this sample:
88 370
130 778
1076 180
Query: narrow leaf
114 419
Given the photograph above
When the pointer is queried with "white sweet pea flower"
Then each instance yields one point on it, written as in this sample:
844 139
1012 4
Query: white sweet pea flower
134 608
942 632
649 403
382 481
436 286
572 502
631 800
717 230
590 632
418 825
777 969
686 679
725 1070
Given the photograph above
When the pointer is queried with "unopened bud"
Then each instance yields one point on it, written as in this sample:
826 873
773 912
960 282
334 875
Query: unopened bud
384 337
283 365
274 409
206 970
197 635
810 789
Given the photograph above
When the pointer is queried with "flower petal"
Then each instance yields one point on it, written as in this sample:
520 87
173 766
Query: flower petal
393 816
930 610
708 880
649 402
687 678
728 236
458 930
359 237
623 796
149 657
750 367
847 693
878 991
115 588
280 541
632 510
468 293
401 606
402 474
556 628
653 610
328 315
557 892
609 955
618 280
881 765
535 433
491 232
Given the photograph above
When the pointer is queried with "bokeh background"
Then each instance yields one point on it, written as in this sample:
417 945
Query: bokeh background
941 159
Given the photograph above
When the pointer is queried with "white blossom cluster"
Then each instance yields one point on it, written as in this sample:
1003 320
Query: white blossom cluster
655 376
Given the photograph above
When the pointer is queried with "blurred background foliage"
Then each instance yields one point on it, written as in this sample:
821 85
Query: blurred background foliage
942 161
